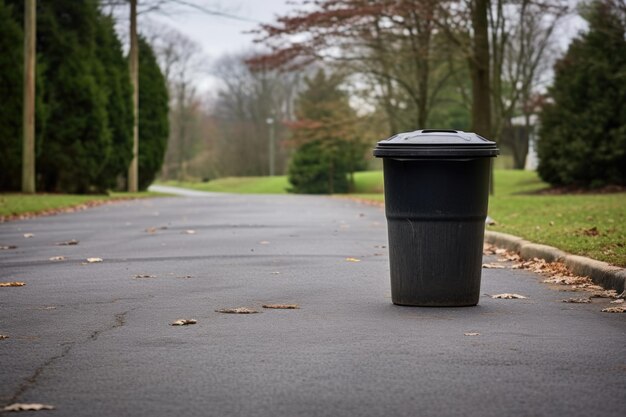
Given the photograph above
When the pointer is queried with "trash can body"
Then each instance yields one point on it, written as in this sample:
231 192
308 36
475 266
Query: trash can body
436 198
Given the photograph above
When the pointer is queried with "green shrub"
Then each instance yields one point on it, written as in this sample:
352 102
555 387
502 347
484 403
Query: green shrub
314 169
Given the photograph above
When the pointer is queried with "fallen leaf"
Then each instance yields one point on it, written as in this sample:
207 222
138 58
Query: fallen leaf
264 242
620 301
7 247
508 296
94 260
3 336
471 334
72 242
144 276
614 310
591 232
154 229
28 235
238 310
28 407
577 300
353 260
184 322
493 266
489 249
57 258
604 294
12 284
563 280
282 306
500 251
189 232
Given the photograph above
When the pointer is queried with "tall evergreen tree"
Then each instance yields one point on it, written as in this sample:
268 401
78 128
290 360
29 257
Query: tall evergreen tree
11 59
153 115
583 132
329 149
78 140
114 78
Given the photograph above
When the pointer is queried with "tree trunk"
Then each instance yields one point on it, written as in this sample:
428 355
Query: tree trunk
133 58
479 69
28 145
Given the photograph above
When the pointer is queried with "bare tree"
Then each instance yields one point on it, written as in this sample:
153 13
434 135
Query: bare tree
181 60
245 102
522 52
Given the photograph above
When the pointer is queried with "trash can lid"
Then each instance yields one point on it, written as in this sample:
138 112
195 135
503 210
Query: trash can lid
435 143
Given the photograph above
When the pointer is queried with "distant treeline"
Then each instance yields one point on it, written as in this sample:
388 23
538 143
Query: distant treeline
84 116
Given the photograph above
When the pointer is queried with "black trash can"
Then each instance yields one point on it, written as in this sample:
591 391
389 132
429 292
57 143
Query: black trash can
436 194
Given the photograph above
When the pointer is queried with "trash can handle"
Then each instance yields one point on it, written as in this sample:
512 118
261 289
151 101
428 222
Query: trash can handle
439 131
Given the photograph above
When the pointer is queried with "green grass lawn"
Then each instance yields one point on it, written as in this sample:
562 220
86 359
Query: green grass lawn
16 204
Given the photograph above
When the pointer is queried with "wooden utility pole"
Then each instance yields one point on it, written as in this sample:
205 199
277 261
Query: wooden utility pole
28 144
133 58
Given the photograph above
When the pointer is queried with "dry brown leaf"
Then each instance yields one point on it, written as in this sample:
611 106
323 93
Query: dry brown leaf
237 310
353 260
72 242
7 247
3 336
614 310
508 296
577 300
493 266
489 249
282 306
28 235
12 284
28 407
189 232
471 334
57 258
564 280
620 301
604 294
154 229
264 242
144 276
184 322
93 260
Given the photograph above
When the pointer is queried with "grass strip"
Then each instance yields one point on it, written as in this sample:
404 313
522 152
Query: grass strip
19 206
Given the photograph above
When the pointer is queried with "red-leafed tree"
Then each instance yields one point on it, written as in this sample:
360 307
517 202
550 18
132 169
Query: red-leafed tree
392 42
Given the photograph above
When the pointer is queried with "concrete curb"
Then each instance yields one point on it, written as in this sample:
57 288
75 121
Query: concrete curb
610 277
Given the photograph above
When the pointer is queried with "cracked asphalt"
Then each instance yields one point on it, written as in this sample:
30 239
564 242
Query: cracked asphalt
93 340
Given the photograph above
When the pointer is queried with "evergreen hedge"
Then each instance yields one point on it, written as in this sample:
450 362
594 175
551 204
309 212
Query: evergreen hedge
583 131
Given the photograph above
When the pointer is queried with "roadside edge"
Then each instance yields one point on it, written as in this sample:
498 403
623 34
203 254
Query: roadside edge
610 277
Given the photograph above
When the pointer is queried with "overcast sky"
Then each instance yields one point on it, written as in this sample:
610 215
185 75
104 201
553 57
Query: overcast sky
218 35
